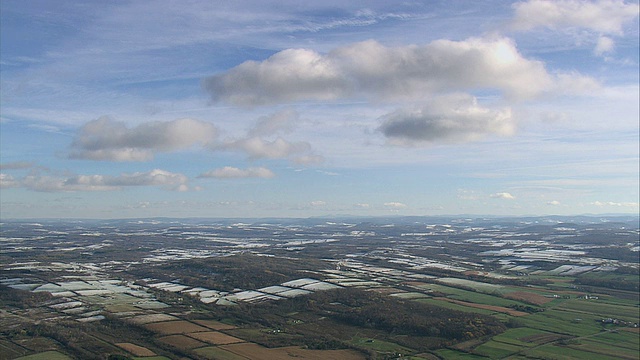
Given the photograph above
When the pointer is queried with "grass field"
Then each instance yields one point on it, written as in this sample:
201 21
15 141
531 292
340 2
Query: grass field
380 346
564 322
496 350
216 353
471 296
47 355
524 337
182 342
593 345
564 352
458 355
605 310
449 305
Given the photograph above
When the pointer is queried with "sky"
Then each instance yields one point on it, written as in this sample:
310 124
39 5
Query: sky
129 109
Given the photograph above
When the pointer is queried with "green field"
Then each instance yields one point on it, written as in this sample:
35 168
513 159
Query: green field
48 355
214 352
458 355
380 346
496 350
565 352
471 296
524 337
605 310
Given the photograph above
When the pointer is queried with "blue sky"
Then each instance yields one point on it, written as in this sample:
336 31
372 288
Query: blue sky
294 109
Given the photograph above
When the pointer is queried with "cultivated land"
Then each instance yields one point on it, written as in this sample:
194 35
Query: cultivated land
364 288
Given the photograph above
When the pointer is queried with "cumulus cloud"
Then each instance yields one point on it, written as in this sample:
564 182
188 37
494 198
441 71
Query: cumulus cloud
371 70
502 195
553 203
448 119
229 172
8 181
395 205
259 148
602 16
279 122
46 183
616 204
107 139
604 45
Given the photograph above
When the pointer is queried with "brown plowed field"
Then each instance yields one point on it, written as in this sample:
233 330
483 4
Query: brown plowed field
182 342
175 327
255 351
528 297
216 338
214 325
135 350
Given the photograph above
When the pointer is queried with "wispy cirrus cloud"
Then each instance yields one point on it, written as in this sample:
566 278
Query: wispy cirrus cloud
603 16
110 140
50 183
17 165
599 18
229 172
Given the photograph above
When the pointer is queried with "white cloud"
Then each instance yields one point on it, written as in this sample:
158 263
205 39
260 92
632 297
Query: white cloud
259 148
604 45
17 165
455 118
107 139
615 204
362 205
157 177
8 181
503 195
229 172
281 121
369 69
553 203
602 16
308 159
395 205
464 194
318 203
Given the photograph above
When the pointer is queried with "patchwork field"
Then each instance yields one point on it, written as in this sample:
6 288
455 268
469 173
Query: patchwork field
175 327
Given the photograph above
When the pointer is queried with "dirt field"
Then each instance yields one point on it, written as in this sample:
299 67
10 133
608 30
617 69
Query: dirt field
486 307
175 327
214 337
255 351
633 330
528 297
135 349
214 325
182 342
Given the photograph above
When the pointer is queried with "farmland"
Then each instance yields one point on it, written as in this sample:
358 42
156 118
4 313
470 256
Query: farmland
419 288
